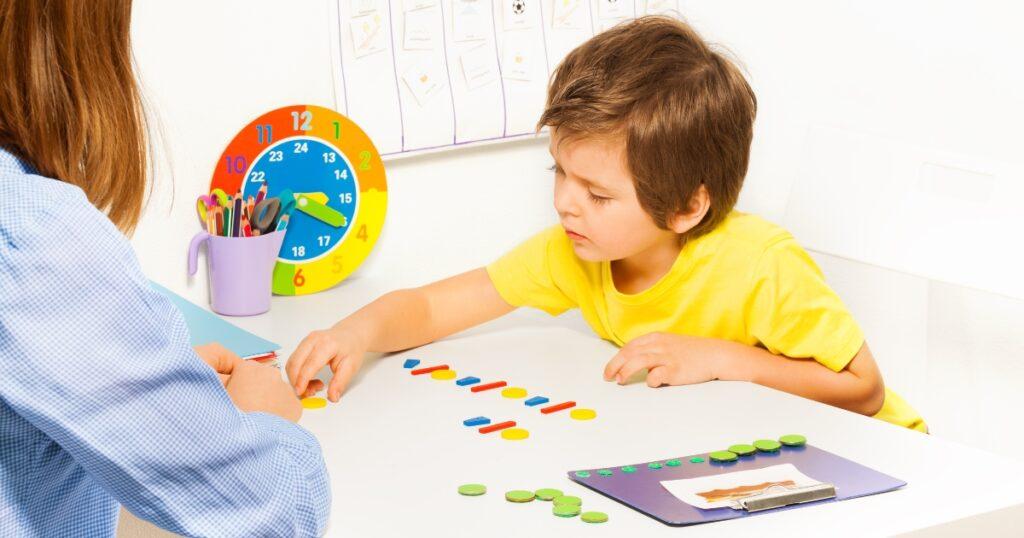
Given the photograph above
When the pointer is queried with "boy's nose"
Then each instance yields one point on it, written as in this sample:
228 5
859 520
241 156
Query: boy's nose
565 202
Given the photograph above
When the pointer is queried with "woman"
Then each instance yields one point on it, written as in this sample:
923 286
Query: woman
102 400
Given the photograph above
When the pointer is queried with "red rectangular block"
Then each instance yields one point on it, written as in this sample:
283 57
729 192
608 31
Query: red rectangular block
429 369
557 407
488 386
496 427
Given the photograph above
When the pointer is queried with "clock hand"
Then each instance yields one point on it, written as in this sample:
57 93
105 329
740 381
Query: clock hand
318 197
320 211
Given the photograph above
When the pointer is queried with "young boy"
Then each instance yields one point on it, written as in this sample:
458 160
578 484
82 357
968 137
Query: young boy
650 134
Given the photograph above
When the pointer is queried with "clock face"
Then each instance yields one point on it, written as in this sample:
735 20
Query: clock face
328 165
317 170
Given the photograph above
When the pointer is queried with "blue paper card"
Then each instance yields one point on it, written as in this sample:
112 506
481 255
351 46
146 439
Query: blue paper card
206 327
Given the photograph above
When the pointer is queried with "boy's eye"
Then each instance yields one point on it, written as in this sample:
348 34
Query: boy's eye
598 199
555 168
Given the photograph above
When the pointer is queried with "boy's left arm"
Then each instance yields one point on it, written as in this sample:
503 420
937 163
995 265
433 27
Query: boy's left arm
673 359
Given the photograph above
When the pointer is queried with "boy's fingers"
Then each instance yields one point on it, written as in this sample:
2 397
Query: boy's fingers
342 375
316 359
298 358
656 377
312 388
224 379
613 366
634 365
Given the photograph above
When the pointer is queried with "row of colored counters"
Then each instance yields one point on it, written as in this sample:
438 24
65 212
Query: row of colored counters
561 505
443 372
630 469
720 456
769 446
507 429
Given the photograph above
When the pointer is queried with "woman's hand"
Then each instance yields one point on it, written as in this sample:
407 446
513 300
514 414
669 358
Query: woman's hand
339 347
670 359
250 385
220 358
257 387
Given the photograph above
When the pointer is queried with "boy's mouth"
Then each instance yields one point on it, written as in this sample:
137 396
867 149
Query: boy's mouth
575 236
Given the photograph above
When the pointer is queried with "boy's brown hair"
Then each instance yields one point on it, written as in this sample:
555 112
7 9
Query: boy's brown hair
686 113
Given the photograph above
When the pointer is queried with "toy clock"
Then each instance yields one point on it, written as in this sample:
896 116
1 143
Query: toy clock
333 170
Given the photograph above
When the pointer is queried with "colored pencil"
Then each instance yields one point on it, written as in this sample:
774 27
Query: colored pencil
218 214
236 216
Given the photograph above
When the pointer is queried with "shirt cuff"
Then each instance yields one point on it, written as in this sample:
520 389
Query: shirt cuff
299 443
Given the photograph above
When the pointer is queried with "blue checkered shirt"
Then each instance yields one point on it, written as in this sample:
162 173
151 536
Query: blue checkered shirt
103 401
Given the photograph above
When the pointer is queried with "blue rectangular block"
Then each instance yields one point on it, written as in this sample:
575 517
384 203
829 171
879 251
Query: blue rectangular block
536 400
467 381
410 363
476 421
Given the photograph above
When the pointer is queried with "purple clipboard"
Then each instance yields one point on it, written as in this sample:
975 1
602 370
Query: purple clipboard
642 489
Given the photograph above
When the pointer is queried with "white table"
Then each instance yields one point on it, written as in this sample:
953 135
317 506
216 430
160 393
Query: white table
396 448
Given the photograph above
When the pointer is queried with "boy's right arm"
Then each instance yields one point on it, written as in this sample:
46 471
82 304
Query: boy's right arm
398 320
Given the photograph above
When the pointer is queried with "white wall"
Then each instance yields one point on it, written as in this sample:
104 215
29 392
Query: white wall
888 132
211 67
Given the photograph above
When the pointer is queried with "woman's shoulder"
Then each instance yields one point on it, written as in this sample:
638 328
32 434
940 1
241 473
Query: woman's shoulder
33 204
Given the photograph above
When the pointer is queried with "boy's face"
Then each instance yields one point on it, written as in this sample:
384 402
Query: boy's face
597 203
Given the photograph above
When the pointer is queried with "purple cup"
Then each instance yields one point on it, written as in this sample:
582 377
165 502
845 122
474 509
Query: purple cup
241 271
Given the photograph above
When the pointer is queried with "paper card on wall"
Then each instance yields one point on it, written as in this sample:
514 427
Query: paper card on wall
518 14
422 30
614 9
655 7
468 21
479 66
425 79
363 7
367 35
568 15
517 61
411 5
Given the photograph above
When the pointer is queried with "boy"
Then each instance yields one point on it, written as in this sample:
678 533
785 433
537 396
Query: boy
650 134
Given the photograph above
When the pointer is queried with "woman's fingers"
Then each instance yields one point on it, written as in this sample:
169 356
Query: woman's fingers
222 360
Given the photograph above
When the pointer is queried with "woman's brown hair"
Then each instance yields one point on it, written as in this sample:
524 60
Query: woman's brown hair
684 111
69 103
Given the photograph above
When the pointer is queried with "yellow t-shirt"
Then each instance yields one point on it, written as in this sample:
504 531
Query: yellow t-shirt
747 281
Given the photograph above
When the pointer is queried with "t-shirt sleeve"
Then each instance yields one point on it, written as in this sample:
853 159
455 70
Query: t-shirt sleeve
528 274
793 312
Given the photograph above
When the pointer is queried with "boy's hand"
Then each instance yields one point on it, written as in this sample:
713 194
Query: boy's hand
670 359
340 348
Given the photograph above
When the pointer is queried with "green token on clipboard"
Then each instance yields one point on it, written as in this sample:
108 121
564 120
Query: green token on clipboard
743 449
793 440
722 456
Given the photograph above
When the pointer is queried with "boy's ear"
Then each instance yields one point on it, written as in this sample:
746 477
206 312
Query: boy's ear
685 221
